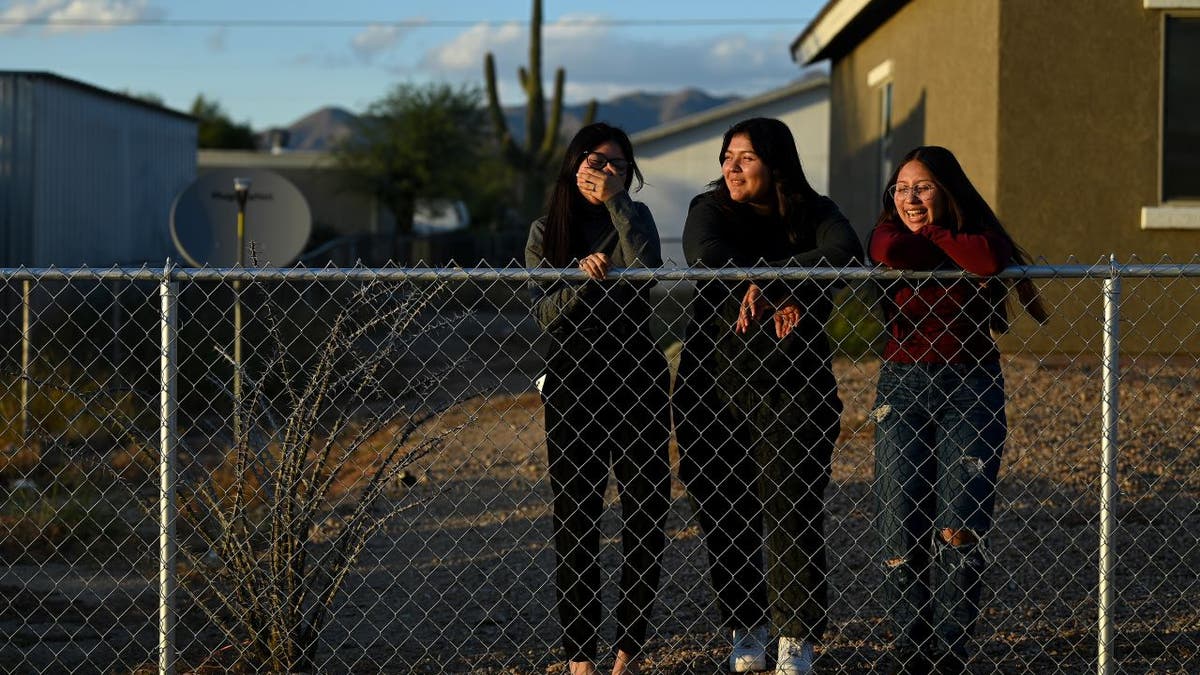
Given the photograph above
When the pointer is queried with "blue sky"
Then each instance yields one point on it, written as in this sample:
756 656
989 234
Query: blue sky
269 74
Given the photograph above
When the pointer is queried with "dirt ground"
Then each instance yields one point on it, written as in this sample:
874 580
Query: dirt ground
462 581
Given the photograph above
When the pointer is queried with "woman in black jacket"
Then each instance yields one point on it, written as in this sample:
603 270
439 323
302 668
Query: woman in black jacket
605 390
756 404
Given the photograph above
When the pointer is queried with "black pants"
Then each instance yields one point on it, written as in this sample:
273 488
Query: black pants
755 454
606 407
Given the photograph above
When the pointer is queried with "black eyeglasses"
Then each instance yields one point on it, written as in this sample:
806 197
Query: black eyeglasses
598 160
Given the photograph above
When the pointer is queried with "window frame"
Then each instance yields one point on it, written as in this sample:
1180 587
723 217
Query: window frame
1164 214
881 79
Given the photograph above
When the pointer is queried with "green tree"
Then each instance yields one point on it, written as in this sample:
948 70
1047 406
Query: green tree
490 198
145 96
535 162
217 130
417 142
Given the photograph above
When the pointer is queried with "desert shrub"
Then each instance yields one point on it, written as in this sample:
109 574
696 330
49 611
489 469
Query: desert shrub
334 429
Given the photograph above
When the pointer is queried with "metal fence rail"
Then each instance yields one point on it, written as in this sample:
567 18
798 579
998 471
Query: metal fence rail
375 496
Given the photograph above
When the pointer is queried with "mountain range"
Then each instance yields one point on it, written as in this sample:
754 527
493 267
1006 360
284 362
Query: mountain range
632 112
320 129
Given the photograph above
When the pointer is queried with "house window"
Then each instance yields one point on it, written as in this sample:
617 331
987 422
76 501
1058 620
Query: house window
885 135
880 78
1181 110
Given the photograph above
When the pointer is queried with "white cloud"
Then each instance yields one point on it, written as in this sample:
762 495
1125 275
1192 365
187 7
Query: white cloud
573 27
367 46
20 13
600 60
468 49
375 40
63 16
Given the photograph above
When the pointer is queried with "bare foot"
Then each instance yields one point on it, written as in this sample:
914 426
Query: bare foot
626 664
582 668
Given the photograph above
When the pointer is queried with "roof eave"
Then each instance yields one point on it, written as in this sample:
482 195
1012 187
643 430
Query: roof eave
839 26
99 91
292 159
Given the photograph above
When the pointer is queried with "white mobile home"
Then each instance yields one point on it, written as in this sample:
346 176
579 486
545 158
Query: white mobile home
680 158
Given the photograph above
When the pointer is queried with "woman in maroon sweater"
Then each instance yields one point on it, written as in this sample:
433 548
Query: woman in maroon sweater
939 408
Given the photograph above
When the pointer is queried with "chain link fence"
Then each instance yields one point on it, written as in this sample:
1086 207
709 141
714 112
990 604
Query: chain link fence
354 476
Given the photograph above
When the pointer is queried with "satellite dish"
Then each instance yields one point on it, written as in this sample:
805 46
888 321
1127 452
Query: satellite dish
204 219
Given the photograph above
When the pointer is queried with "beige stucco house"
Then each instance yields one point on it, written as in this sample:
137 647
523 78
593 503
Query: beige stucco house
1078 120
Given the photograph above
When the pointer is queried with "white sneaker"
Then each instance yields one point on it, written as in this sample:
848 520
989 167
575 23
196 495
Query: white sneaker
795 657
749 650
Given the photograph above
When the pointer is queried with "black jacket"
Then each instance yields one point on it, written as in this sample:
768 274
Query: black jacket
733 235
625 231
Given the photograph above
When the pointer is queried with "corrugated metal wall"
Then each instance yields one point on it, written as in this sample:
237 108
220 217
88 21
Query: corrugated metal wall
91 176
16 168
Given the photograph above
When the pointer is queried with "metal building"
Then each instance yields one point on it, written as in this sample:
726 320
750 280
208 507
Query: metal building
87 176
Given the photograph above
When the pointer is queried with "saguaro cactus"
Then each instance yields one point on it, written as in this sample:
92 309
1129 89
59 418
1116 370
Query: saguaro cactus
534 161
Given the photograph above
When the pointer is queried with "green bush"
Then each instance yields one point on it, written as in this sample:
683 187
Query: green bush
853 329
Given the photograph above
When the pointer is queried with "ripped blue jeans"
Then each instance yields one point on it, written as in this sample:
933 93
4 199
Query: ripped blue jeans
939 435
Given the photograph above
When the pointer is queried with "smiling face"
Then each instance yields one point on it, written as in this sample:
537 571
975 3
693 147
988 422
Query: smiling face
919 200
746 177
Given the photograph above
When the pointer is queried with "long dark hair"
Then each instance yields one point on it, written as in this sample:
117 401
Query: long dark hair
565 199
968 212
775 147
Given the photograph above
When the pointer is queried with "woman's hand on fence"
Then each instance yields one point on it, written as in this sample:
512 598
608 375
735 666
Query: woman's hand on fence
596 266
754 307
787 315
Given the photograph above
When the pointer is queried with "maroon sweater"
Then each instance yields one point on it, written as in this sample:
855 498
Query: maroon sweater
939 320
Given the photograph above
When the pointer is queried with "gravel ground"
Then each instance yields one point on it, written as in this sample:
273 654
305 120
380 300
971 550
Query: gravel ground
461 583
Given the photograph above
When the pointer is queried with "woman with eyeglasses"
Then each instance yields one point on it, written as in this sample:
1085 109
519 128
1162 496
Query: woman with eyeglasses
939 410
756 405
604 392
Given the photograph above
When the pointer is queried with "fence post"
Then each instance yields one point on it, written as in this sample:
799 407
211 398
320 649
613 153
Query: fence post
168 292
26 339
114 322
1110 412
